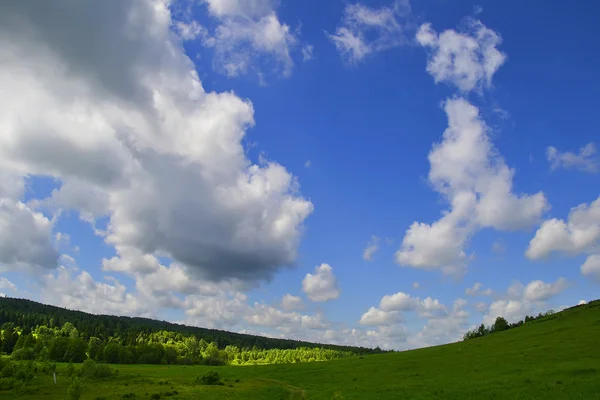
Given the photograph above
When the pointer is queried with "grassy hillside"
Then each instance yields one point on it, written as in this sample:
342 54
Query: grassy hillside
27 314
556 357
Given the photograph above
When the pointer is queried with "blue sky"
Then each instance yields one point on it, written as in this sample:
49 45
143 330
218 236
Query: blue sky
372 173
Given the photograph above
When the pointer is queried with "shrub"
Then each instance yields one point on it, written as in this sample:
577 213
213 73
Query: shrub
210 378
7 383
128 396
70 370
155 396
75 389
91 369
24 353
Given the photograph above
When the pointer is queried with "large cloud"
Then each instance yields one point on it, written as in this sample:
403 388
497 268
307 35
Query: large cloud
102 97
467 170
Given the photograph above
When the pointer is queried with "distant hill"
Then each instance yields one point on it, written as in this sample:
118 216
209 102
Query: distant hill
29 314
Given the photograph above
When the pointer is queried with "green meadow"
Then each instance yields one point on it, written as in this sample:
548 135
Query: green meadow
555 357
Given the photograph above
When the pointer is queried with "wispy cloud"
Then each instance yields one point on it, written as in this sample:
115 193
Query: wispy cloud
586 160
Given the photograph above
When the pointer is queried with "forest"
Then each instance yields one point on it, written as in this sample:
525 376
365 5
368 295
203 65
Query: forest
34 331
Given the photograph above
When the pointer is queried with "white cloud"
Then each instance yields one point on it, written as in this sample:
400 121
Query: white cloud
520 300
248 31
511 310
586 160
220 312
591 267
476 290
540 291
307 164
364 30
322 285
467 60
5 284
82 292
467 170
579 234
290 302
307 52
581 302
289 322
371 249
415 285
25 237
141 118
191 30
376 317
398 302
432 308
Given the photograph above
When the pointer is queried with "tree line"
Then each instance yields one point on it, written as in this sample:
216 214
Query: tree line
501 324
34 331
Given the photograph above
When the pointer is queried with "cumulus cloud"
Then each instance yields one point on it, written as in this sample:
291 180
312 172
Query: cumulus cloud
591 267
520 300
398 302
392 306
477 290
25 237
579 234
66 288
467 60
322 285
540 291
130 134
248 31
586 160
371 249
290 302
5 284
475 180
377 317
364 30
441 324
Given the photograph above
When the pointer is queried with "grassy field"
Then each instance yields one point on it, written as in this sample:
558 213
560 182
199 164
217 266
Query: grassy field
557 357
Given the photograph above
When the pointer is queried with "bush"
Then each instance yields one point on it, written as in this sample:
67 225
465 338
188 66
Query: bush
24 353
155 396
70 370
7 383
91 369
75 389
128 396
210 378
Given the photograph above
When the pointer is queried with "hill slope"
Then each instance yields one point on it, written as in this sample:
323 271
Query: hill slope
29 314
556 357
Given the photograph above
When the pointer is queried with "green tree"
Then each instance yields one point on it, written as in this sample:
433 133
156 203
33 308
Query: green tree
94 347
500 325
